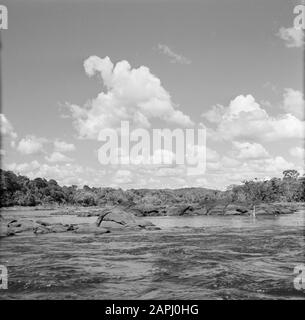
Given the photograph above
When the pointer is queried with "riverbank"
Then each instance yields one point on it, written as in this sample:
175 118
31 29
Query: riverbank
187 209
120 218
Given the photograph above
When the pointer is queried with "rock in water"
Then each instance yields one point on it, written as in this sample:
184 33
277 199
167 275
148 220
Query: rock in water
179 210
90 228
120 218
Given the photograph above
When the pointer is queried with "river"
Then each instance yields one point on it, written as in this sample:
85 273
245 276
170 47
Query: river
202 257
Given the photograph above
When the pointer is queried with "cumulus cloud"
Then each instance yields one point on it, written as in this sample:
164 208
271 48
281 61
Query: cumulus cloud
248 150
215 114
64 174
293 37
229 170
132 94
293 102
297 152
31 145
228 162
6 127
211 155
174 57
62 146
170 172
58 157
245 119
123 177
24 168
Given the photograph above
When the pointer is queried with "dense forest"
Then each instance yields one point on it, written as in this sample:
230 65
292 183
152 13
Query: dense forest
22 191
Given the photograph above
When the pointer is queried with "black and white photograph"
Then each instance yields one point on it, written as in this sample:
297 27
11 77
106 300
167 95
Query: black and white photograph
152 150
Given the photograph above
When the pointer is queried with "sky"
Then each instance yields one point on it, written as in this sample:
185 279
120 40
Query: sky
73 68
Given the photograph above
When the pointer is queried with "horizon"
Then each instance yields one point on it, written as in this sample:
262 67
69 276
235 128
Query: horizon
181 188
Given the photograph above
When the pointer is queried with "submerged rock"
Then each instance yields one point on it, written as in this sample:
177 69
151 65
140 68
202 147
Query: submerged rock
144 210
144 223
152 228
200 211
13 226
274 209
43 223
5 231
41 230
90 228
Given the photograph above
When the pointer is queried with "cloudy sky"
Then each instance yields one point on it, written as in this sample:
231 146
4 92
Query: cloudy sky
72 68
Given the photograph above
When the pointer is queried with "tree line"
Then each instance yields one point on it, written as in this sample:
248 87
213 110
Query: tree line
21 191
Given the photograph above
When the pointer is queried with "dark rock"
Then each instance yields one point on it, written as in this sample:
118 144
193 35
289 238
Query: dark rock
71 227
13 223
120 218
41 230
179 210
144 223
152 228
85 214
144 210
242 210
43 223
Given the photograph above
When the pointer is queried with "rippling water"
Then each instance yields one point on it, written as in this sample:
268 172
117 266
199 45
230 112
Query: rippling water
190 258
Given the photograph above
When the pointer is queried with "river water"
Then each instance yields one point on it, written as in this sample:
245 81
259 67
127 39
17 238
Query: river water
190 258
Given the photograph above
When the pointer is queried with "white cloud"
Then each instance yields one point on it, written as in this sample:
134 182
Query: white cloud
293 37
270 166
62 146
297 152
214 115
64 174
293 102
58 157
23 168
178 171
6 127
133 94
123 177
228 162
31 145
248 150
245 119
211 155
174 57
231 171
